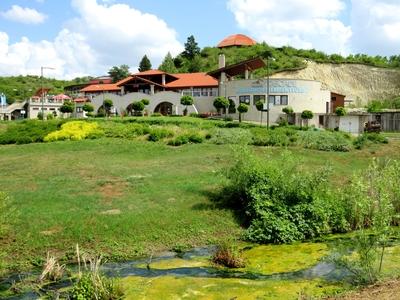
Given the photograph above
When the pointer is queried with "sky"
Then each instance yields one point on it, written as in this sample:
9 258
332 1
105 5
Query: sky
88 37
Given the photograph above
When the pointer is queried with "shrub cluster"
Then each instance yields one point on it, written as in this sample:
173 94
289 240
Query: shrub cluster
157 134
127 131
366 139
228 255
29 131
75 131
325 140
192 137
282 203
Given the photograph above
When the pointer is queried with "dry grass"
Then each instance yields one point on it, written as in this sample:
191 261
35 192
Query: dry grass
52 270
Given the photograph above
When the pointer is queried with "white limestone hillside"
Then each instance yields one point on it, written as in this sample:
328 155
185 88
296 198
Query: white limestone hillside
359 83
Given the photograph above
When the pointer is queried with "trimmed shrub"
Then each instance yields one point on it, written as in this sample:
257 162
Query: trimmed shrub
75 131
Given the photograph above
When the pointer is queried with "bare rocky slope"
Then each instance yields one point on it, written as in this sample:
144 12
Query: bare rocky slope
359 83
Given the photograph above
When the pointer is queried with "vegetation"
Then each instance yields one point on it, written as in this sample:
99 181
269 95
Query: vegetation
221 103
242 109
88 107
138 107
307 115
378 106
119 73
145 64
67 107
107 105
186 101
228 255
75 131
340 111
168 65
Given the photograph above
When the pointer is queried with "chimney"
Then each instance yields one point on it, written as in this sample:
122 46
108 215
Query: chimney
221 61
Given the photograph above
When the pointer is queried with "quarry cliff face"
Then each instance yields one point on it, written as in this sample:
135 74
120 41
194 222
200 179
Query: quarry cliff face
359 83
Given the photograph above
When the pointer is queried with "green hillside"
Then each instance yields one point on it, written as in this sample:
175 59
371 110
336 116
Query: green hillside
17 88
284 58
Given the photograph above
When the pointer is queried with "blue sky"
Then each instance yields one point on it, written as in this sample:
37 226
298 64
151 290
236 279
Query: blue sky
86 37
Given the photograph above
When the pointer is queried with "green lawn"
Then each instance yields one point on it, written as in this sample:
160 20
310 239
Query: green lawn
125 198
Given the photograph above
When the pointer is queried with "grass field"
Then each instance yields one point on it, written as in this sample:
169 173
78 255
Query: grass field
125 198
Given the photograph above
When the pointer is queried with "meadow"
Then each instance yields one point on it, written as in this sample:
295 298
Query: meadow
127 197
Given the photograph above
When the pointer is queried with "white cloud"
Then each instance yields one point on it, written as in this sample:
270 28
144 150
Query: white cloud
376 26
299 23
102 35
24 15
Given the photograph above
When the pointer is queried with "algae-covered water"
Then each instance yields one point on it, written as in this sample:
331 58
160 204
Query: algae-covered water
271 272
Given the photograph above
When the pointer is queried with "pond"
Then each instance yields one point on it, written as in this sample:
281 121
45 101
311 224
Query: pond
271 272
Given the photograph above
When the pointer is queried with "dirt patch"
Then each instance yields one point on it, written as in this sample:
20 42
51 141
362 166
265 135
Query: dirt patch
111 212
112 190
382 291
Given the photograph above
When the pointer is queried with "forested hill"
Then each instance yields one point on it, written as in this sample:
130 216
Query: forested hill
17 88
284 58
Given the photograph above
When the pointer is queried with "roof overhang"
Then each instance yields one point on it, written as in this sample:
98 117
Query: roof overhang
239 68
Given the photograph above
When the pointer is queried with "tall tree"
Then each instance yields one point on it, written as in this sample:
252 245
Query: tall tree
119 73
168 64
191 48
144 64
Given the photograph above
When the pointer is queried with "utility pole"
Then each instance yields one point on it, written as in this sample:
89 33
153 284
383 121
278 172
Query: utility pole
41 87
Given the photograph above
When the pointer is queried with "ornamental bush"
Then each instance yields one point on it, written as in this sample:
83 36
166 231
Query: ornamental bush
75 131
340 111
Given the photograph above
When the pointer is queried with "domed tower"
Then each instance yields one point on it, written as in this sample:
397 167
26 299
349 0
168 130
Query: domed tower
238 40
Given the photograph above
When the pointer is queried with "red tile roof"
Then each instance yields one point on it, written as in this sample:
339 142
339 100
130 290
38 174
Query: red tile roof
237 40
132 77
101 88
150 72
192 80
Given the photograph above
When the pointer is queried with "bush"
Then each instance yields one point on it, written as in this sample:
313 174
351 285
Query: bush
128 131
179 140
28 131
157 134
340 111
278 137
232 136
369 138
75 131
195 138
325 141
282 203
156 115
228 255
49 116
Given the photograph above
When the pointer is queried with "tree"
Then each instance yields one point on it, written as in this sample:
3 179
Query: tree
67 107
221 103
138 107
191 48
88 107
186 101
144 64
168 64
119 73
145 101
307 115
288 110
340 111
260 108
107 105
194 65
242 109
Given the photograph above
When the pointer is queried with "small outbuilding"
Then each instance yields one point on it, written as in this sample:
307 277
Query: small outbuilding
238 40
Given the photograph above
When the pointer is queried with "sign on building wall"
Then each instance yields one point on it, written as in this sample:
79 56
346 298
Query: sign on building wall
275 86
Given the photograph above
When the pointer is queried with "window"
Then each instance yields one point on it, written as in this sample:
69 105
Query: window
187 93
212 92
196 92
279 99
204 92
245 99
257 98
79 109
52 109
35 108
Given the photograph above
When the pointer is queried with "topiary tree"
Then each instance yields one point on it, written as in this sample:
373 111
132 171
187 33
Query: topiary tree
288 110
186 101
242 109
67 107
107 105
307 115
221 103
138 107
340 111
260 108
145 102
88 107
